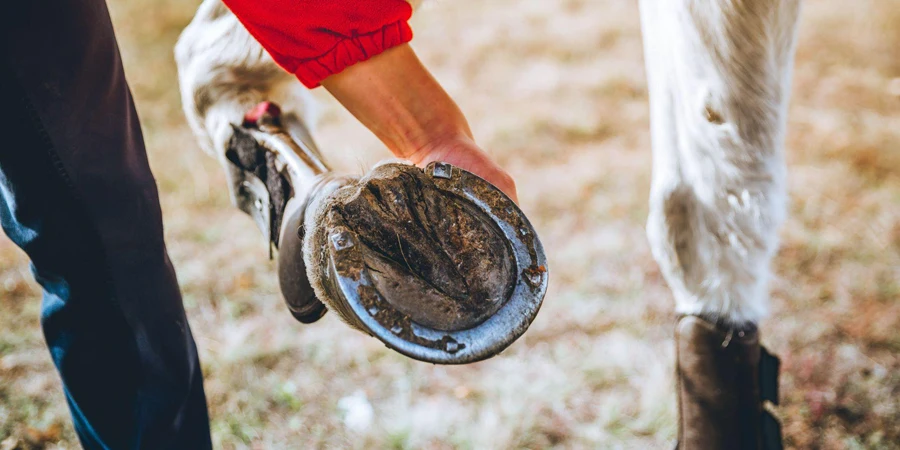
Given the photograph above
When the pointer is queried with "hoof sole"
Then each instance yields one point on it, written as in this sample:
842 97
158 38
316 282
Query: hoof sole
438 264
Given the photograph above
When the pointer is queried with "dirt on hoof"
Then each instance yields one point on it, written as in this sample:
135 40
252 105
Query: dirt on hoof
434 256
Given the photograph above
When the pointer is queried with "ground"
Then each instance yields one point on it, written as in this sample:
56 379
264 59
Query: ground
556 91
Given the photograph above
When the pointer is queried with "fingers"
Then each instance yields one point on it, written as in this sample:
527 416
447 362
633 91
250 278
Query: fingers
465 154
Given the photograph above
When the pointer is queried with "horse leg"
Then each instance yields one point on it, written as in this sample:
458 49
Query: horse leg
256 120
719 81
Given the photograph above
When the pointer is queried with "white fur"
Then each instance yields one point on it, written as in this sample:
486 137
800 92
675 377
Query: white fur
223 72
719 78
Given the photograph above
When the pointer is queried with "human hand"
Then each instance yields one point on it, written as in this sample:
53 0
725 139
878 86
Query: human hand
461 151
394 96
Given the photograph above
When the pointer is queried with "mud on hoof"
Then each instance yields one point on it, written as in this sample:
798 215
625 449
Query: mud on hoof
438 264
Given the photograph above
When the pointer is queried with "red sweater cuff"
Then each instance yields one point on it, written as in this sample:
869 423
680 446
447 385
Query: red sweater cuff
350 51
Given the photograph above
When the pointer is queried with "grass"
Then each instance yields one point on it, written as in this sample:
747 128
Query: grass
556 91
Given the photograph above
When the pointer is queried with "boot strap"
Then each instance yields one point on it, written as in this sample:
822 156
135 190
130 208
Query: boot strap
769 367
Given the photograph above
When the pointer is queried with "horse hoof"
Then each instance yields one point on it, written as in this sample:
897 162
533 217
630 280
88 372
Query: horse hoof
438 264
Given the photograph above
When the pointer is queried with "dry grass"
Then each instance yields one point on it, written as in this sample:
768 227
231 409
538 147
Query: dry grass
556 90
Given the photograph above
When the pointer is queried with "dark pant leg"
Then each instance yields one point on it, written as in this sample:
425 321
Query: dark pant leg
76 193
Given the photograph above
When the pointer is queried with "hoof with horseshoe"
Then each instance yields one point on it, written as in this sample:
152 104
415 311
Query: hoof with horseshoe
438 264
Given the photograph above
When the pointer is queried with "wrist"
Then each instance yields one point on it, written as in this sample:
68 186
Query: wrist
394 96
440 147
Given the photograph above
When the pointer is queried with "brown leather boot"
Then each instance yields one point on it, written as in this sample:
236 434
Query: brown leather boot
723 379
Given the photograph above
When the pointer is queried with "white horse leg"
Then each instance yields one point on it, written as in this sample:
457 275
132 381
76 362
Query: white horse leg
224 72
271 162
719 80
719 75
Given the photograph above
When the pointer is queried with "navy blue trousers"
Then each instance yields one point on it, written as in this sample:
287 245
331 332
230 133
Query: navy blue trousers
77 195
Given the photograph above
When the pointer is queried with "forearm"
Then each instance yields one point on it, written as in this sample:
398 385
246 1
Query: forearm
396 97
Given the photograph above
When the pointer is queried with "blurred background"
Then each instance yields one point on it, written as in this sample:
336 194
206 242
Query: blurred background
556 91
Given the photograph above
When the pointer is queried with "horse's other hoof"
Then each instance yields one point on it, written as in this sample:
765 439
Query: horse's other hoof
438 264
299 296
274 173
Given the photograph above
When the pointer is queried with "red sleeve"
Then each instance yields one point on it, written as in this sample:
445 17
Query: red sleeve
317 38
